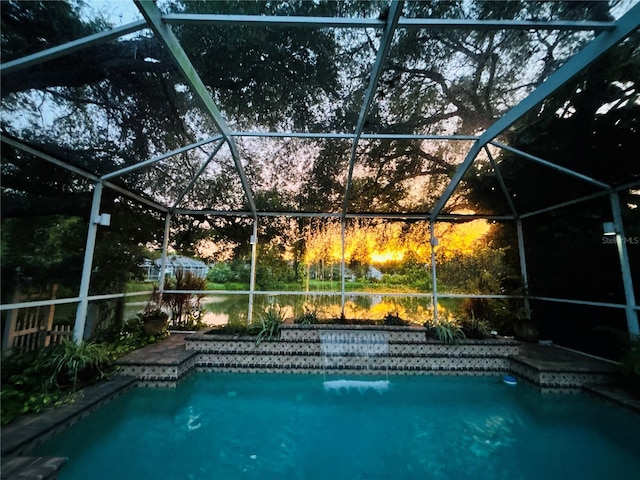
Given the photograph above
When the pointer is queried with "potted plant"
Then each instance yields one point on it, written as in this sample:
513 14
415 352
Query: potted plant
154 320
525 328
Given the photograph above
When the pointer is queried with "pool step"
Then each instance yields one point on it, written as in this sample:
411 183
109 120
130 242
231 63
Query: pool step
554 369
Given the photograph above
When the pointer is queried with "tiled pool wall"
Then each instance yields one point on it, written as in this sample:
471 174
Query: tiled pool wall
408 352
302 350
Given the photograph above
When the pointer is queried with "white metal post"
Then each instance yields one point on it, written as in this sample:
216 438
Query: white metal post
163 259
252 280
87 266
630 301
434 281
342 265
523 269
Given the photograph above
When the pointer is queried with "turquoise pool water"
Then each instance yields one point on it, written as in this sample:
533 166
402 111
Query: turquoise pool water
241 426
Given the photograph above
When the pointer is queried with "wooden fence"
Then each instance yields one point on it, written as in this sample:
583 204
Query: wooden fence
31 328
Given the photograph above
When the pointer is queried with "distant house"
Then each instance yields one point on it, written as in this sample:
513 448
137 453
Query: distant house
372 274
174 263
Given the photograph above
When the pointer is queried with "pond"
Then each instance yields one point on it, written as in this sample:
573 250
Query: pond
222 309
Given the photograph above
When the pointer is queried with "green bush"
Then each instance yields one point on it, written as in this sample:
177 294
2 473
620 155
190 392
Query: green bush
45 378
221 272
73 363
309 317
26 385
48 377
446 330
476 328
268 326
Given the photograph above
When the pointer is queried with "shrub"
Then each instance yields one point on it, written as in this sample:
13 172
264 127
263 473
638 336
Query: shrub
221 272
268 326
45 378
309 317
392 318
446 330
476 328
72 363
25 380
185 307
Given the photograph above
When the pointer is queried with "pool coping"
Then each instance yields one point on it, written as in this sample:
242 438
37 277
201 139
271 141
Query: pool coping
36 468
25 432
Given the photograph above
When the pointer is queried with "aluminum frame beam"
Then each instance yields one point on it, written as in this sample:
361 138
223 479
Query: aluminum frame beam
554 166
433 242
156 159
459 218
575 201
87 264
165 250
624 27
253 241
627 279
351 136
297 21
581 302
503 186
90 176
395 10
345 22
202 168
70 47
523 268
153 16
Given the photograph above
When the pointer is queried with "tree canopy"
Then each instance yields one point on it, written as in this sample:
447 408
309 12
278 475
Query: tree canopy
115 104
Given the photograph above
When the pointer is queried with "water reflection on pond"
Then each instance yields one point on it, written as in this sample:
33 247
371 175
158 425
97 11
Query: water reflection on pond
223 308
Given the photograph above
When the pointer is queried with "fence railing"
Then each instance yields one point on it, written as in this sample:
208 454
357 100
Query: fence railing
34 337
31 328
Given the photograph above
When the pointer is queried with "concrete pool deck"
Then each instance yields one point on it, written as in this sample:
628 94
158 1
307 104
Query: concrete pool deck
550 369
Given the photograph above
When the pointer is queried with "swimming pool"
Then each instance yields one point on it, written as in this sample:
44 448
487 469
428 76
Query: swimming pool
268 426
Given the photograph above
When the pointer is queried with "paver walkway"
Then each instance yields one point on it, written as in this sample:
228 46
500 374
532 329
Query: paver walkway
167 351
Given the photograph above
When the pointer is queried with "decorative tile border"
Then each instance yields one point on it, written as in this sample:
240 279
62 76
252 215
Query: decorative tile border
555 381
300 349
406 351
166 374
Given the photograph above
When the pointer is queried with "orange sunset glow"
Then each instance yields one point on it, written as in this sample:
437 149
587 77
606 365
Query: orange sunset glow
383 243
387 256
